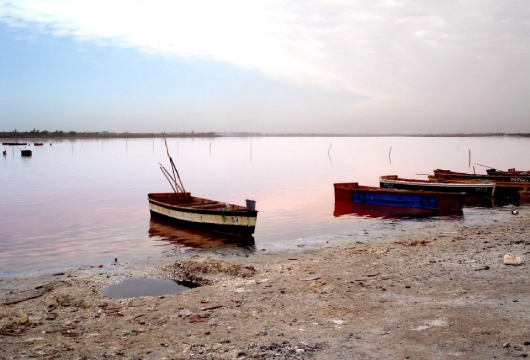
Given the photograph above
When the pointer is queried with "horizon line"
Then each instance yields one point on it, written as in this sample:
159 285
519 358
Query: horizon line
73 134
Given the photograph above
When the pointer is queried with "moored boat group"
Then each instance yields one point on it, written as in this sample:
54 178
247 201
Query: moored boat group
444 193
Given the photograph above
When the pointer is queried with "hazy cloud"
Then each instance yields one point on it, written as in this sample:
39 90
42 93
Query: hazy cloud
417 60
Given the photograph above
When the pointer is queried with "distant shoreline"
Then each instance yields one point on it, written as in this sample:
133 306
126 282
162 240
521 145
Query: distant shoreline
126 135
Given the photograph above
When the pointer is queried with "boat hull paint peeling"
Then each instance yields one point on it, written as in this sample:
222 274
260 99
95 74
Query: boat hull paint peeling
226 221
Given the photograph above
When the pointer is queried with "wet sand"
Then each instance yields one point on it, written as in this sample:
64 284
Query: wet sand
439 292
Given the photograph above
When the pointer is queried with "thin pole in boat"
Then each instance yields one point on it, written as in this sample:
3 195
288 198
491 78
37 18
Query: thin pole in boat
490 167
170 183
164 170
174 168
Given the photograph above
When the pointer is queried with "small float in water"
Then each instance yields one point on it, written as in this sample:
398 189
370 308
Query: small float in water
26 152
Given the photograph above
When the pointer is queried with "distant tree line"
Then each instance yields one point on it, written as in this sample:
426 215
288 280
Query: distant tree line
35 133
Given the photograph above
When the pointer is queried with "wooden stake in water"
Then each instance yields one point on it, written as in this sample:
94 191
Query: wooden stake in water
389 158
470 159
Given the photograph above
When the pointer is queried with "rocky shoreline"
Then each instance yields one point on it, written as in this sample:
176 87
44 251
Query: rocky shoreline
427 293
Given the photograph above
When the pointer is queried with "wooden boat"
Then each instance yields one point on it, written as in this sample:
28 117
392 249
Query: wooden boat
432 201
184 209
509 177
510 172
471 188
38 144
14 144
506 185
26 152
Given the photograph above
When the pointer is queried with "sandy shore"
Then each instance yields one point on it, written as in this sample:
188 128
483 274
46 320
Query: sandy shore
430 293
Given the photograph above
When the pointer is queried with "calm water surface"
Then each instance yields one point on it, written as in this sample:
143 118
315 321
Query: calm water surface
84 202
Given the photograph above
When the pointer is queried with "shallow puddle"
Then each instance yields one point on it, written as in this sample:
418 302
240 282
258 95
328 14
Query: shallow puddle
136 287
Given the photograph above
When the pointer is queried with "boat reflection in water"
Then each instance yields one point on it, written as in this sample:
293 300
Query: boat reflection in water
381 211
184 239
391 212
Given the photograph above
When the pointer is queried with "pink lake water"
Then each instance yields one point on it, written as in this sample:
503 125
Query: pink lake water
82 202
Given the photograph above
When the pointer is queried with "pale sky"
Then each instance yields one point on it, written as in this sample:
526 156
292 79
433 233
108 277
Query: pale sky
361 66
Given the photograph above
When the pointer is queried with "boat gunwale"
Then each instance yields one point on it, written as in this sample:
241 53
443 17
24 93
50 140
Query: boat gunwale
454 175
231 212
490 184
397 191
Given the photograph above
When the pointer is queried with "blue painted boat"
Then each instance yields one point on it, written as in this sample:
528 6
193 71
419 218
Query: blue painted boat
428 201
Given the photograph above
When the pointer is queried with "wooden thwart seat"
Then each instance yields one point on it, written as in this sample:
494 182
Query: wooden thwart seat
206 206
200 204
